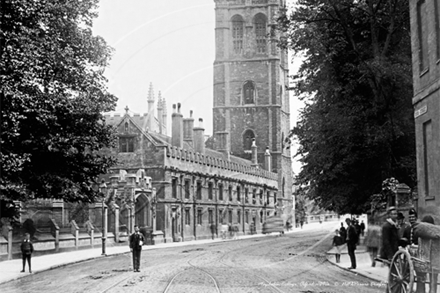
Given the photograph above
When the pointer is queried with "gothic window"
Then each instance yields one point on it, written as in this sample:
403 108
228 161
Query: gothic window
199 217
248 92
126 126
237 34
199 190
126 144
210 216
187 189
187 216
248 137
210 190
260 32
174 187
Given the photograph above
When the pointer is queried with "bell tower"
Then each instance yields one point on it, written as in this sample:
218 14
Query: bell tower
251 100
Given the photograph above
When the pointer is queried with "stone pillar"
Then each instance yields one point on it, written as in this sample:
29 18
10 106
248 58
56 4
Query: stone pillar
268 160
10 230
116 223
58 210
254 154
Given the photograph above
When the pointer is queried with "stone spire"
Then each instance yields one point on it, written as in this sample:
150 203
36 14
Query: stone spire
150 107
160 112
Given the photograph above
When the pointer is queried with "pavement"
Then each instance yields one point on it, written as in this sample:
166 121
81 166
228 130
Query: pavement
378 273
10 270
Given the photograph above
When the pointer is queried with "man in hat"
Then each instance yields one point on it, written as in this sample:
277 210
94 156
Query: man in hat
390 235
408 236
352 240
401 224
408 232
136 241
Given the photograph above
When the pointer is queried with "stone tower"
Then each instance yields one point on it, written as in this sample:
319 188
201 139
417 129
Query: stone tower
250 82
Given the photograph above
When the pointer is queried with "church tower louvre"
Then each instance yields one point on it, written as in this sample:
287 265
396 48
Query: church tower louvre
250 82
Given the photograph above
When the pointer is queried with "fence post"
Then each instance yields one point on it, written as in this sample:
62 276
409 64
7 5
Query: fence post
55 229
75 232
10 229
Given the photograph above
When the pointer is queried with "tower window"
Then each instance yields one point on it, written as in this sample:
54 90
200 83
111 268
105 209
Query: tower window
260 33
248 137
249 92
237 34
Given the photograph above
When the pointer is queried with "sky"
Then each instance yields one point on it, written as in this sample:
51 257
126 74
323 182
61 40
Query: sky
168 43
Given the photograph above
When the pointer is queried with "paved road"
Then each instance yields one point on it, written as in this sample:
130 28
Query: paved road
291 263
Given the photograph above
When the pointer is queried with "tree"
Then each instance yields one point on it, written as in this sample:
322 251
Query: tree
53 94
356 128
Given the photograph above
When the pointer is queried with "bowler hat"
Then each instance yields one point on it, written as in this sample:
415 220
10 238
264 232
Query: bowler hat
400 216
412 211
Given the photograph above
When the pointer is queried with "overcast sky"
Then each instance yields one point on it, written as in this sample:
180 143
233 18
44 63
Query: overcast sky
169 43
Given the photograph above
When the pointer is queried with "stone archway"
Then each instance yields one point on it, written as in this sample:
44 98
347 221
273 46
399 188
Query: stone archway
142 214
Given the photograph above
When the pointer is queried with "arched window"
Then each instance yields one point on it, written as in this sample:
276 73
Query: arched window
248 92
237 34
126 127
248 136
260 32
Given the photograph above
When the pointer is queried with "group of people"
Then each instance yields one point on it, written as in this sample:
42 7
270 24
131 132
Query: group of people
349 236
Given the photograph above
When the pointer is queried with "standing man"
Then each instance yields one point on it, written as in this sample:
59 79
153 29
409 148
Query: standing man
390 235
408 232
401 224
352 240
27 248
362 228
408 235
136 241
343 232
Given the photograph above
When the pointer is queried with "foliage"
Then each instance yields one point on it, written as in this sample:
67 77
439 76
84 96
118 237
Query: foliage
53 94
356 127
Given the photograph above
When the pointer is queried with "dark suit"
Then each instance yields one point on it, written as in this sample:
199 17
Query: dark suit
352 239
136 247
27 248
390 241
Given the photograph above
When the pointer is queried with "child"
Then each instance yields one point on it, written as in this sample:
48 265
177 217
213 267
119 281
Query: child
26 251
337 242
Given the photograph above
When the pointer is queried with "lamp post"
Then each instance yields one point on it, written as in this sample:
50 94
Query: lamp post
103 191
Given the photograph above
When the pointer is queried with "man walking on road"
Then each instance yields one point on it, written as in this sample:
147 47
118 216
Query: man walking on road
390 235
136 241
352 239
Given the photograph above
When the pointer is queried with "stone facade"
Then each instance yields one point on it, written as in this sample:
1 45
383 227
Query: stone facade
195 191
251 100
425 40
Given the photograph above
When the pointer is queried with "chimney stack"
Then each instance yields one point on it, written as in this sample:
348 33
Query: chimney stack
199 137
254 154
177 127
222 142
267 160
188 125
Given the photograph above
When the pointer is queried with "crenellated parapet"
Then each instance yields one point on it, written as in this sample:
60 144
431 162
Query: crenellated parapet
206 160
